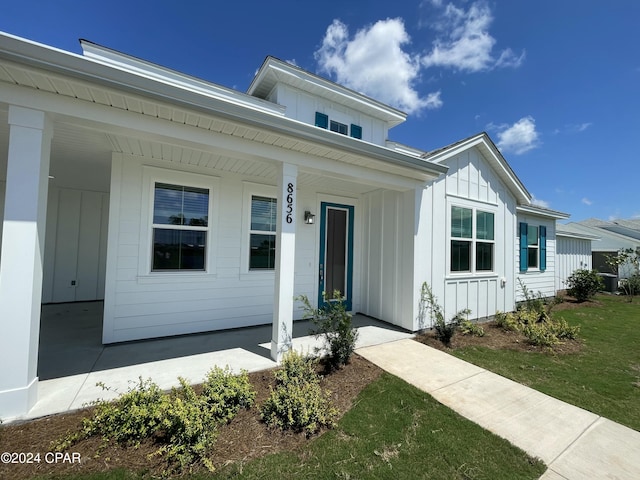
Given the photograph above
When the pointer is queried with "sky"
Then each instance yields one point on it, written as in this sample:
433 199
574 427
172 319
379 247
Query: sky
555 83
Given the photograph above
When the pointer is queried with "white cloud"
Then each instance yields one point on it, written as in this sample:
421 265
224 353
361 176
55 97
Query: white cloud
586 201
375 63
539 203
518 138
580 127
465 43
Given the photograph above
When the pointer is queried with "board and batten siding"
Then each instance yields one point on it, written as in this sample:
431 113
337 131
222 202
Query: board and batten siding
387 253
140 304
75 244
471 183
303 106
572 254
537 281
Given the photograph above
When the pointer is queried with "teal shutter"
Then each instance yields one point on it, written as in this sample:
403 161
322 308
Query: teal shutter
322 120
356 131
543 248
524 247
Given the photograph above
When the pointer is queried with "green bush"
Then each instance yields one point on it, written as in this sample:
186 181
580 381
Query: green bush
226 393
429 305
584 284
540 329
467 327
630 286
333 324
183 422
298 402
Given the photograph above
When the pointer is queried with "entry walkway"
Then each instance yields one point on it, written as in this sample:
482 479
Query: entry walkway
574 443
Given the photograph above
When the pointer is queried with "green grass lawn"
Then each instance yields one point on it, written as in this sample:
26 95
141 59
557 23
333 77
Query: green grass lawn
394 431
603 378
397 431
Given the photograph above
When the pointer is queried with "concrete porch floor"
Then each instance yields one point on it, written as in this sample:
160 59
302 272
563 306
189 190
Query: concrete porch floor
72 359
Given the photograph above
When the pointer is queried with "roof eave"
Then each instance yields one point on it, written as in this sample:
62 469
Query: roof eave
75 66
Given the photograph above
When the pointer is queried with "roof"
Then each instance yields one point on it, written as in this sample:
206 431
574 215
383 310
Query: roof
107 69
491 153
569 230
274 70
627 228
542 211
609 241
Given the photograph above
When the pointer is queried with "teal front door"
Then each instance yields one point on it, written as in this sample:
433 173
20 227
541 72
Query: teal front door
336 252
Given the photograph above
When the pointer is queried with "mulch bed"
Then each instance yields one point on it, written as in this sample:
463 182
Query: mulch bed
246 437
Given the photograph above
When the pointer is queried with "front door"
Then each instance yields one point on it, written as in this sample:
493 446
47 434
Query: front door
336 252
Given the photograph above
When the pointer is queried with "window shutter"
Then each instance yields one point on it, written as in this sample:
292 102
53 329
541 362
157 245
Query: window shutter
356 131
524 247
543 248
322 120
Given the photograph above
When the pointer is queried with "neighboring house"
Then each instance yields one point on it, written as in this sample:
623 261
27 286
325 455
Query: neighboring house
191 207
613 237
573 252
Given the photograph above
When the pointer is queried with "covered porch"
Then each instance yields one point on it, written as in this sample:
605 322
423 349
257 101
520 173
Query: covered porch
72 358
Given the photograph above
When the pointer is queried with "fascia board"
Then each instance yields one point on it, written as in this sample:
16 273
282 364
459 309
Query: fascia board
32 54
392 115
542 213
501 165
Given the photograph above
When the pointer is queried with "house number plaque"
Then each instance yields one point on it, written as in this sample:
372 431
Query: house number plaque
289 207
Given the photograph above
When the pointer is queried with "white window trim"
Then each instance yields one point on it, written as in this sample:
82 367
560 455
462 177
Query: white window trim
151 176
250 189
472 273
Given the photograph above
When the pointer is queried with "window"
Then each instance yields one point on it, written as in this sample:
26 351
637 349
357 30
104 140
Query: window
262 233
472 244
180 227
338 127
322 121
533 247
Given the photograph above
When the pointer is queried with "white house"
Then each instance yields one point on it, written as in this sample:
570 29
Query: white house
191 207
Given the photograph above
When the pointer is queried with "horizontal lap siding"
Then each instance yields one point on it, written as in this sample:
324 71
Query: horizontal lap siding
535 280
157 305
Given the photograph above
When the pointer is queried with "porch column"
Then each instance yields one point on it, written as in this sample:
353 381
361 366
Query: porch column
23 233
282 328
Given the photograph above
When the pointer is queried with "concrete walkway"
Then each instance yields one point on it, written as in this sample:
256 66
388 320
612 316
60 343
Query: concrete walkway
574 443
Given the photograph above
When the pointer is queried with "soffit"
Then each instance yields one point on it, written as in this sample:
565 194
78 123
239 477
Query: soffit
137 104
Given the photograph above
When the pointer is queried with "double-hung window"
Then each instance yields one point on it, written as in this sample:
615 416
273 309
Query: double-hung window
262 233
472 240
180 227
533 247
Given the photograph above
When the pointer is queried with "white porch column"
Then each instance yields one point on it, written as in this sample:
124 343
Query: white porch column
21 261
282 329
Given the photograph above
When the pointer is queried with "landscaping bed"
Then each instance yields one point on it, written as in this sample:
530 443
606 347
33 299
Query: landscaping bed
244 438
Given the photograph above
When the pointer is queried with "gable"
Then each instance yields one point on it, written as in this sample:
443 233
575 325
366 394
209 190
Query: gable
471 176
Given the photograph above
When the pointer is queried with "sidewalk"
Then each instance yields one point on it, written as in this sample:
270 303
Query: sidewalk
575 444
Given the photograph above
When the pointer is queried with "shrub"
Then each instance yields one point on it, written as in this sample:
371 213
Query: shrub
467 327
184 422
333 324
429 306
584 284
630 286
298 401
540 334
226 393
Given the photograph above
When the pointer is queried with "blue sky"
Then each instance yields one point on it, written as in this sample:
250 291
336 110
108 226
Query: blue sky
556 84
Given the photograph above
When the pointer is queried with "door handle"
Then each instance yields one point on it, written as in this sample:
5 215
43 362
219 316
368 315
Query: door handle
321 272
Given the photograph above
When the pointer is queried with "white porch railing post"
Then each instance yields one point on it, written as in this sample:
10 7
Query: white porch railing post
282 329
21 259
